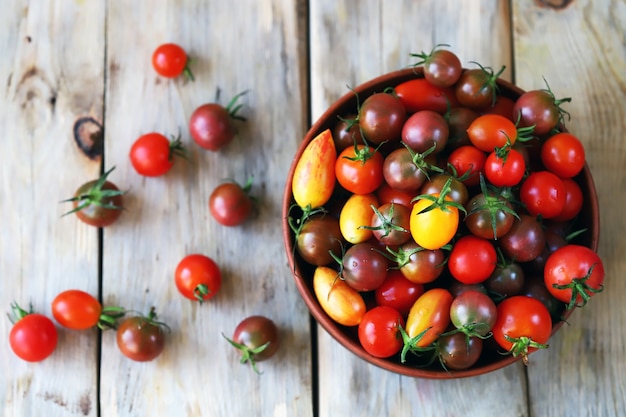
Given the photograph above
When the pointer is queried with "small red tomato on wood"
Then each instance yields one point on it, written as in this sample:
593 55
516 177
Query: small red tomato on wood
198 277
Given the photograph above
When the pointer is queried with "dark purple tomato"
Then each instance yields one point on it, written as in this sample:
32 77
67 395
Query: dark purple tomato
506 280
524 241
457 352
553 242
473 313
381 118
476 89
420 265
459 119
442 68
538 108
489 216
456 288
320 236
256 338
364 267
346 133
390 224
402 172
425 129
534 286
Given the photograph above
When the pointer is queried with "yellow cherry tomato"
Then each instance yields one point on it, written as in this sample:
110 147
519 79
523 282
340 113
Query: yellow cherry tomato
429 316
432 229
314 174
342 303
357 212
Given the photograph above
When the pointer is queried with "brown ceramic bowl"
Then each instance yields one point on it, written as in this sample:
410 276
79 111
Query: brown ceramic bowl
491 359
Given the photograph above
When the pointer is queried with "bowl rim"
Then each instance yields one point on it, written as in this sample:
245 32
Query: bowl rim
334 329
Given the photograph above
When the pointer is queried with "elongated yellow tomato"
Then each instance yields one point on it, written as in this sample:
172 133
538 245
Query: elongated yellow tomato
355 213
342 303
430 315
314 175
434 228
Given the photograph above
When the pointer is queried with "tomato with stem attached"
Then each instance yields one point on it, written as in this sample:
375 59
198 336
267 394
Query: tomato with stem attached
541 109
33 336
231 204
381 117
473 313
198 277
152 154
359 169
97 203
141 338
256 338
79 310
211 125
442 68
420 94
477 88
170 60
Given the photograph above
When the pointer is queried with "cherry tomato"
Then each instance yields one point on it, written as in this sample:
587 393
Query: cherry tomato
340 302
524 241
442 68
428 318
489 215
347 133
458 191
198 277
390 224
472 259
381 117
33 336
257 339
476 88
539 108
473 313
459 119
398 292
433 228
523 325
314 174
152 154
387 194
505 168
170 60
457 351
573 200
97 203
404 170
491 131
543 193
230 203
563 154
419 94
425 130
417 264
355 214
359 169
379 331
141 338
364 268
573 274
211 124
319 237
468 162
507 279
79 310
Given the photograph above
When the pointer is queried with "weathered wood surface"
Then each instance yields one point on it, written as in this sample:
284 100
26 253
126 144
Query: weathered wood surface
64 60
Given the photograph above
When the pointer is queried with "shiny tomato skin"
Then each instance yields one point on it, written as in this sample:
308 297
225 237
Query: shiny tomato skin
356 213
381 117
401 172
468 161
537 108
230 204
522 316
254 332
140 339
472 259
391 224
458 190
473 312
419 94
320 236
358 176
340 302
429 313
364 267
490 131
574 263
151 155
490 216
379 332
506 171
442 68
472 90
211 127
95 214
198 277
398 292
314 178
457 351
573 201
76 309
524 241
423 265
543 193
434 228
346 134
387 194
563 154
33 337
459 119
425 129
169 60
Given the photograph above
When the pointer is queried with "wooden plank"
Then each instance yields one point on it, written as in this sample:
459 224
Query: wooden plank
364 42
580 51
236 46
50 78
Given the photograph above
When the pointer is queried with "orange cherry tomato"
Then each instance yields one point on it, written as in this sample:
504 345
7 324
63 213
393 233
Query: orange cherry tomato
429 316
314 175
357 212
342 303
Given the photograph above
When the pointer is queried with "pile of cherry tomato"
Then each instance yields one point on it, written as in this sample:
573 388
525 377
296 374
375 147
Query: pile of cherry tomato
439 218
197 277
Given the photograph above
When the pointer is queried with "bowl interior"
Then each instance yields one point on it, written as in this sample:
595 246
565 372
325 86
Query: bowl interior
303 272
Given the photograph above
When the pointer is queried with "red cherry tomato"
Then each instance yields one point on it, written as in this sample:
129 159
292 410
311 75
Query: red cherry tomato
33 336
472 259
491 131
543 194
505 169
76 309
563 154
152 154
359 169
230 204
419 94
198 277
573 201
398 292
469 162
170 60
379 331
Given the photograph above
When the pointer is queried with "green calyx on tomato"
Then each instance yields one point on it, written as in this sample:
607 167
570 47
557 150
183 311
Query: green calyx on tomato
109 316
440 201
581 289
419 159
96 196
411 343
386 222
18 313
232 107
557 103
521 346
491 80
494 205
248 354
178 149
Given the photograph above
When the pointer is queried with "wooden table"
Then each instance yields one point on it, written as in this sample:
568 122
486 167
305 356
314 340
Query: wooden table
65 60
